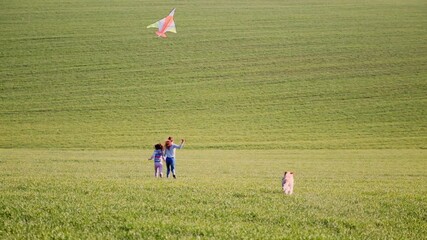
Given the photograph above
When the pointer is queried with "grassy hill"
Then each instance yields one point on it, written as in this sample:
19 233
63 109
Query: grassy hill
237 75
334 90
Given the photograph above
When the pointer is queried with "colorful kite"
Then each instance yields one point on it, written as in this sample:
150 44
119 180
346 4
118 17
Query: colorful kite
165 25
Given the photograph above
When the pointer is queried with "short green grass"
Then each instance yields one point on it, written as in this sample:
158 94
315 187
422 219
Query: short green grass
219 194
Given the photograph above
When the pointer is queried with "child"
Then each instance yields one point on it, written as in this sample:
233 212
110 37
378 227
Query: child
158 157
170 155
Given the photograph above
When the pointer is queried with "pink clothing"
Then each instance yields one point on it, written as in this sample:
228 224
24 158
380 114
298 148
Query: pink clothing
158 165
157 156
158 169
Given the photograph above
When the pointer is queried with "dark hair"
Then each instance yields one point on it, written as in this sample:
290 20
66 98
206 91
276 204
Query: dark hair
158 146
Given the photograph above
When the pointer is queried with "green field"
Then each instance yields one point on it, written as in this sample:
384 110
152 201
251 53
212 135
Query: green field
238 74
334 90
219 194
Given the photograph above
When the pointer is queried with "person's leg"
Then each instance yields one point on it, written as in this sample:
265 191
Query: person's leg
155 170
158 169
173 168
168 167
161 170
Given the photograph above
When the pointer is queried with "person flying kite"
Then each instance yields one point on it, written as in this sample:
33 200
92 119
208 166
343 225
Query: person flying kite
165 25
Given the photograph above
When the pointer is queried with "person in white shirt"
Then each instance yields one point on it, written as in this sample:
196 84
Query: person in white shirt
170 148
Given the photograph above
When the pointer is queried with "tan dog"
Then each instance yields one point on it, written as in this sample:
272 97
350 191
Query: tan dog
288 183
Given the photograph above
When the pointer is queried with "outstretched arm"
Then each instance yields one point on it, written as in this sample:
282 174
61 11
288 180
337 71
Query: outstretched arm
181 145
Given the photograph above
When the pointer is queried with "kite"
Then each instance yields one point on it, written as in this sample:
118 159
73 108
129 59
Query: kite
165 25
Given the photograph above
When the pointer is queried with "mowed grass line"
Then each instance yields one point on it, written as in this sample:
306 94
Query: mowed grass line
110 194
238 74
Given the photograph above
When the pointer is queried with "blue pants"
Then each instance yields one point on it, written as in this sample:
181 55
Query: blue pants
170 166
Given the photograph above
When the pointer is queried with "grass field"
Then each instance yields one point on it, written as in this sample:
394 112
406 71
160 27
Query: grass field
219 194
334 90
238 74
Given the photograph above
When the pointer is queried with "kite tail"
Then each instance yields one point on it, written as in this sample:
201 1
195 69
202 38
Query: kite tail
161 34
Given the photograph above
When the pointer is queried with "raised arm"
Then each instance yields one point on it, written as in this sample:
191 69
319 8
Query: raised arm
181 145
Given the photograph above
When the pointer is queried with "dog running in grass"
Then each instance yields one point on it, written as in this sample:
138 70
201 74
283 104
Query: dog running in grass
288 183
